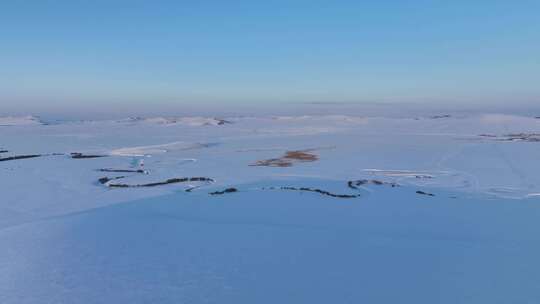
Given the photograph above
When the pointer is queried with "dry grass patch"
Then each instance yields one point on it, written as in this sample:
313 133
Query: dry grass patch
288 159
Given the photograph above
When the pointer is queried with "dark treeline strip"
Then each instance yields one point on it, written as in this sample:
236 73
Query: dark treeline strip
4 151
323 192
122 170
223 121
166 182
355 184
517 137
424 193
20 157
228 190
105 180
440 116
77 155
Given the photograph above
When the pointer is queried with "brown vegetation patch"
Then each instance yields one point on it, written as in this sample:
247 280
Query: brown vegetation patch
301 155
288 159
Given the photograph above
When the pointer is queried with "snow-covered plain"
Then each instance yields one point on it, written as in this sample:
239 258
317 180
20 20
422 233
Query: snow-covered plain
353 209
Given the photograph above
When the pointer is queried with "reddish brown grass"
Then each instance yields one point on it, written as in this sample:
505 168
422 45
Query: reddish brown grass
288 159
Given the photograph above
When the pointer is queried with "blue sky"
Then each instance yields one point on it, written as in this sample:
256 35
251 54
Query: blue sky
87 53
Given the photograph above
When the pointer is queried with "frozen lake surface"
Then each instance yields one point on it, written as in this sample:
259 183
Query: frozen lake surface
329 208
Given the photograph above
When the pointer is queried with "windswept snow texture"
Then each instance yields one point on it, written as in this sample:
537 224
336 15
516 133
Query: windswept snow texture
434 208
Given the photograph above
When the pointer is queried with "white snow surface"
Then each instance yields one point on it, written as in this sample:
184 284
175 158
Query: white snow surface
19 121
155 149
67 238
443 153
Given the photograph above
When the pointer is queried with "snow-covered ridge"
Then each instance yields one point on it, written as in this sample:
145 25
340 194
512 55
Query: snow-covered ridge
523 122
328 118
20 120
193 121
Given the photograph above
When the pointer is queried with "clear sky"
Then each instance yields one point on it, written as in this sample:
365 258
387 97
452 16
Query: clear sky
90 53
